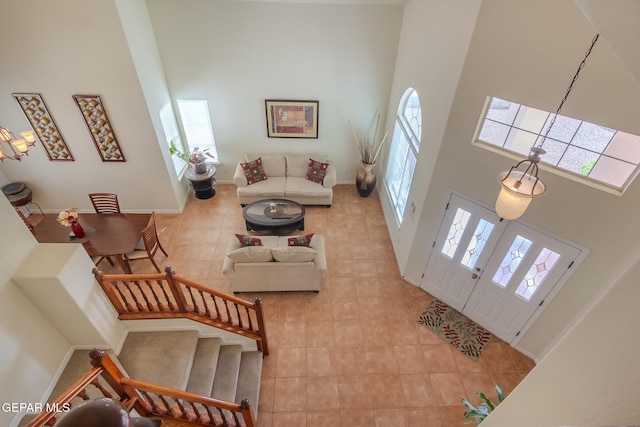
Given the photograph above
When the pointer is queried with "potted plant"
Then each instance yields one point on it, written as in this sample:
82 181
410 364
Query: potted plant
476 414
369 150
196 159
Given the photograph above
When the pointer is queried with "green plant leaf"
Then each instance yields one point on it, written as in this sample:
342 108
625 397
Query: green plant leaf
468 404
175 152
486 400
474 414
500 392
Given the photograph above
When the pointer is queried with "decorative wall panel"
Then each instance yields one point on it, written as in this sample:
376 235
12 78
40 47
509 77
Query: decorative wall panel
95 117
43 125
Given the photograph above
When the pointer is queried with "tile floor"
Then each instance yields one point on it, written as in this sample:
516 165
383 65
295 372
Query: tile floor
352 354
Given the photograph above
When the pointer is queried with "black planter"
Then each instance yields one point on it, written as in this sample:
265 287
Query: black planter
365 180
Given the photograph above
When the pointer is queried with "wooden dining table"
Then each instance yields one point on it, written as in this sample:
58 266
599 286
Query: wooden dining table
110 235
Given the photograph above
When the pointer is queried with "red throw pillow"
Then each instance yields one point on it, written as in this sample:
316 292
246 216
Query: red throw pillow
300 240
253 171
316 171
248 240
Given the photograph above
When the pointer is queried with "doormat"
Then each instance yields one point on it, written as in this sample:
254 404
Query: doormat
465 335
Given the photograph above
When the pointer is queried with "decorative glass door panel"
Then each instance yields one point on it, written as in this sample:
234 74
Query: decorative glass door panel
497 273
476 245
522 271
537 273
466 237
511 261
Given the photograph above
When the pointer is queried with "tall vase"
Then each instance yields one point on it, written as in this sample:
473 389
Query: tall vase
77 230
365 179
197 160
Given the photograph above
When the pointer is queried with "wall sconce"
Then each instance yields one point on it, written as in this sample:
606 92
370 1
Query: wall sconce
17 147
519 187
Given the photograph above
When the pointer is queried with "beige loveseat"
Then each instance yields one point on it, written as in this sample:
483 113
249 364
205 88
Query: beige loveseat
254 274
286 179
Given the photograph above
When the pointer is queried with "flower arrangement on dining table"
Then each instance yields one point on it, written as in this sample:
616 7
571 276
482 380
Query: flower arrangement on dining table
69 218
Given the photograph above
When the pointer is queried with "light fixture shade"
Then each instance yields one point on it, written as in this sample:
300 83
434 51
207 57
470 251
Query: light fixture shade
5 135
517 191
21 145
28 136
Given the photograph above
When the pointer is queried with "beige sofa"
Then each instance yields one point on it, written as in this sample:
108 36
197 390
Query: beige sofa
263 276
286 179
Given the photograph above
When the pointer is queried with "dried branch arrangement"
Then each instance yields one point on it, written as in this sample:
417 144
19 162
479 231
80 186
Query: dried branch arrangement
369 149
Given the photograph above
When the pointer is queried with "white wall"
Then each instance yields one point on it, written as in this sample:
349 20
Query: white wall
434 42
32 348
70 48
237 54
148 65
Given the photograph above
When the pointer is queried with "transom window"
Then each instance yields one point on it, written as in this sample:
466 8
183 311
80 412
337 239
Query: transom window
584 150
404 152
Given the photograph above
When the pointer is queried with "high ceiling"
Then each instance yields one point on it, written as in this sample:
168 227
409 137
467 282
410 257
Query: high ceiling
617 21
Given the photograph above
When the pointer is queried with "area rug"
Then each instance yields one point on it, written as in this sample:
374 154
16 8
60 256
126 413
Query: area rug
456 329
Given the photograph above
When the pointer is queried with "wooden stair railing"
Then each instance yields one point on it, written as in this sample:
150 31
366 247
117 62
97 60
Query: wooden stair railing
150 400
162 296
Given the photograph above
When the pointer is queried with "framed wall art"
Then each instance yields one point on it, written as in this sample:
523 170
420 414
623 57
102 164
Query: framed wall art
99 127
43 125
291 119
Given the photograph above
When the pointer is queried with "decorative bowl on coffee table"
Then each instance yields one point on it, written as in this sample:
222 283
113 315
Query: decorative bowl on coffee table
274 216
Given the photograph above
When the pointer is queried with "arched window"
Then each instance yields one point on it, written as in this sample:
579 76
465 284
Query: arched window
404 151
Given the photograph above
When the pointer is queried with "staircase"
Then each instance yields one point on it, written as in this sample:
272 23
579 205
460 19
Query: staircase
184 379
178 361
183 361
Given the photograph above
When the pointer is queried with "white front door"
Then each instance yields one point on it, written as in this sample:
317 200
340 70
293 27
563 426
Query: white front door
497 273
523 269
466 238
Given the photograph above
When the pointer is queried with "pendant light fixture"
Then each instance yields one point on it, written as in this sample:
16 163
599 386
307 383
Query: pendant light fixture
15 147
520 184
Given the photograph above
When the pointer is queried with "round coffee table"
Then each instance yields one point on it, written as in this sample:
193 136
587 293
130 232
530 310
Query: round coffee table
274 216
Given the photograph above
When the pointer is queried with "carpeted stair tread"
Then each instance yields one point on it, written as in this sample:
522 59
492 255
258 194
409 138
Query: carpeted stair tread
249 379
161 357
204 366
226 380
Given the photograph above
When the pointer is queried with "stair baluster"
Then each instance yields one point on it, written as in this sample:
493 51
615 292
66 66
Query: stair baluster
144 295
184 298
154 295
104 391
207 312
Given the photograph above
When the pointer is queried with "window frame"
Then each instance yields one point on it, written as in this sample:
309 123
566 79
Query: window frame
403 133
189 131
547 167
178 164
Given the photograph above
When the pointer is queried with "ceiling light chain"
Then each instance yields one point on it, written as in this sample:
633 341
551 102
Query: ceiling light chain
518 188
575 77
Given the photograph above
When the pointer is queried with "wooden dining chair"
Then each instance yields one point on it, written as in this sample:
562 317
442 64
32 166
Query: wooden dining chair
25 220
149 246
98 259
105 202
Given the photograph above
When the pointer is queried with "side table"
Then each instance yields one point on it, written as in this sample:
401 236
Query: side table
203 183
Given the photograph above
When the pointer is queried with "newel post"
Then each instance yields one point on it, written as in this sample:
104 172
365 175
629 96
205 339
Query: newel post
247 413
112 373
263 345
109 291
175 289
114 376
